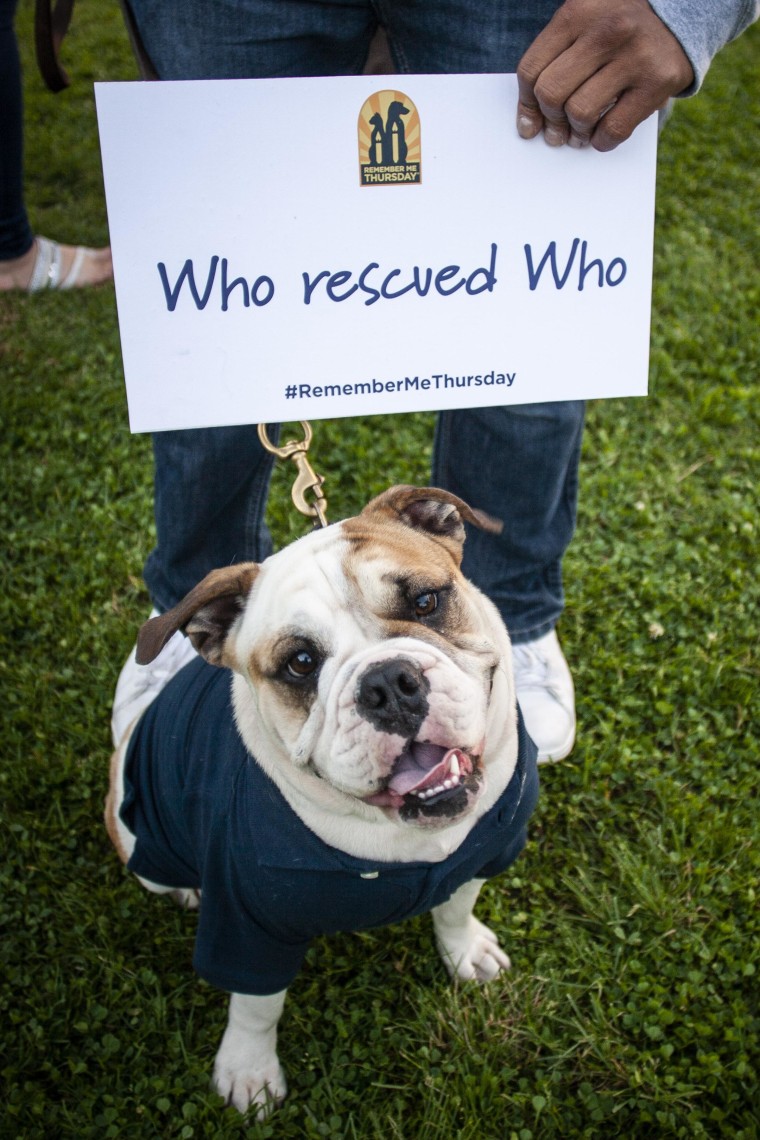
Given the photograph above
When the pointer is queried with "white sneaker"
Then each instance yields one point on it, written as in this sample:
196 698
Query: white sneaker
139 685
546 696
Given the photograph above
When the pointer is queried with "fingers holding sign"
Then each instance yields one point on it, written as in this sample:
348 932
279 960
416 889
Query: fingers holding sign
596 71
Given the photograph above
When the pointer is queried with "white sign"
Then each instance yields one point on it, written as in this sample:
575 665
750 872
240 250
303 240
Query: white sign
312 248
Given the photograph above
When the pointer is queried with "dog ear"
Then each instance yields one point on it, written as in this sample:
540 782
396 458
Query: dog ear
206 615
436 511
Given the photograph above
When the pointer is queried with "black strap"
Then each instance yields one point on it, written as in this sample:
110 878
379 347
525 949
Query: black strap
50 26
51 22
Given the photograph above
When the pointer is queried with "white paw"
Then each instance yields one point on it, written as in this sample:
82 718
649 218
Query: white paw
250 1086
186 897
472 953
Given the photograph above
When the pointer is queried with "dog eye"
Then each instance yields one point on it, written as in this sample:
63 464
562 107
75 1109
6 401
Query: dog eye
302 664
426 603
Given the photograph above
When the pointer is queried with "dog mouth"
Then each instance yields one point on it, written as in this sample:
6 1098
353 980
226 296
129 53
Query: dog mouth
425 775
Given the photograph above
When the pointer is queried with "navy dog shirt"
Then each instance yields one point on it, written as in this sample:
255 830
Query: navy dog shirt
206 816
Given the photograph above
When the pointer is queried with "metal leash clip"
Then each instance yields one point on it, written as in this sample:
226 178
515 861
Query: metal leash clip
307 479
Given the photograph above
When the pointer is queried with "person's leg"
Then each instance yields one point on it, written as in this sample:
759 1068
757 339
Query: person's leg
254 39
210 492
16 236
462 36
520 463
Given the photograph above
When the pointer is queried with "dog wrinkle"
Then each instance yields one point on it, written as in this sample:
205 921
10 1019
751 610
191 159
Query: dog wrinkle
392 544
369 746
400 541
359 764
309 607
459 721
354 728
304 745
322 559
376 582
440 638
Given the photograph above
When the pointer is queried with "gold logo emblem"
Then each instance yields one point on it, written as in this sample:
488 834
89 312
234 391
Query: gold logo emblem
389 140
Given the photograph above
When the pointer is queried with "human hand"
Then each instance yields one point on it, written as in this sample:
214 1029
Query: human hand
597 70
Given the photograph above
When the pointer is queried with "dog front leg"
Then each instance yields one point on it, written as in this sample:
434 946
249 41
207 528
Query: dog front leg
247 1069
470 951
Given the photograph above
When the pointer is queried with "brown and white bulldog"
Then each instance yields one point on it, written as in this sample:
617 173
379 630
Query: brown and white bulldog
367 760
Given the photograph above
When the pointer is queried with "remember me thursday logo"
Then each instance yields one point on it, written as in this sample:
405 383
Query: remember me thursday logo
389 140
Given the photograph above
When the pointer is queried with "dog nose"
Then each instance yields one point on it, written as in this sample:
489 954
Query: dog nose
392 696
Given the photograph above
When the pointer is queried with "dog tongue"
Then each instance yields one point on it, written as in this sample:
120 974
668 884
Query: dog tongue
423 765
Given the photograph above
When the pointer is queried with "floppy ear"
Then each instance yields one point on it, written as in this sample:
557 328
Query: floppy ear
439 513
206 615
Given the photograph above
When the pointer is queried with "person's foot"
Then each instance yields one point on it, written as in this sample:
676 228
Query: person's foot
48 265
546 696
139 685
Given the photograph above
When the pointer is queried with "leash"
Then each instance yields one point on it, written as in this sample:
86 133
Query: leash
306 481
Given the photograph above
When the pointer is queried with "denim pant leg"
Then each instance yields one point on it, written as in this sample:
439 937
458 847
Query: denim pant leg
462 36
254 39
520 464
210 489
15 232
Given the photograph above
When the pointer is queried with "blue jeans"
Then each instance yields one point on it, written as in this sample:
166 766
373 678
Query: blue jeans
15 233
518 463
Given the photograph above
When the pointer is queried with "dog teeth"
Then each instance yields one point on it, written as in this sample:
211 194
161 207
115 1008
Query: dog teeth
454 778
427 793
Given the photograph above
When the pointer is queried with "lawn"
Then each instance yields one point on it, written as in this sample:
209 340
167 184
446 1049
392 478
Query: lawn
631 918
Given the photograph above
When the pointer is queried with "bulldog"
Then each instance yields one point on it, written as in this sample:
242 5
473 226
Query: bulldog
345 751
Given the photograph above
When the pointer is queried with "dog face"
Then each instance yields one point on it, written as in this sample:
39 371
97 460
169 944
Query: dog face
369 664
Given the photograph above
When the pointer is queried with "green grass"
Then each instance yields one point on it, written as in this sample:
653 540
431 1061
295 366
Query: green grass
631 919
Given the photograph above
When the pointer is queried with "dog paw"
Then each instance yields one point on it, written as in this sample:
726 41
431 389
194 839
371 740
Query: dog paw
473 953
186 897
244 1087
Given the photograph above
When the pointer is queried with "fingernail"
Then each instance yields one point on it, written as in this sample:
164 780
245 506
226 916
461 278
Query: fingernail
554 136
577 142
526 127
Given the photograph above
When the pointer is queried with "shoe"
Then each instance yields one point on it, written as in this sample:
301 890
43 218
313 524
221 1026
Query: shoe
546 696
139 685
89 267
